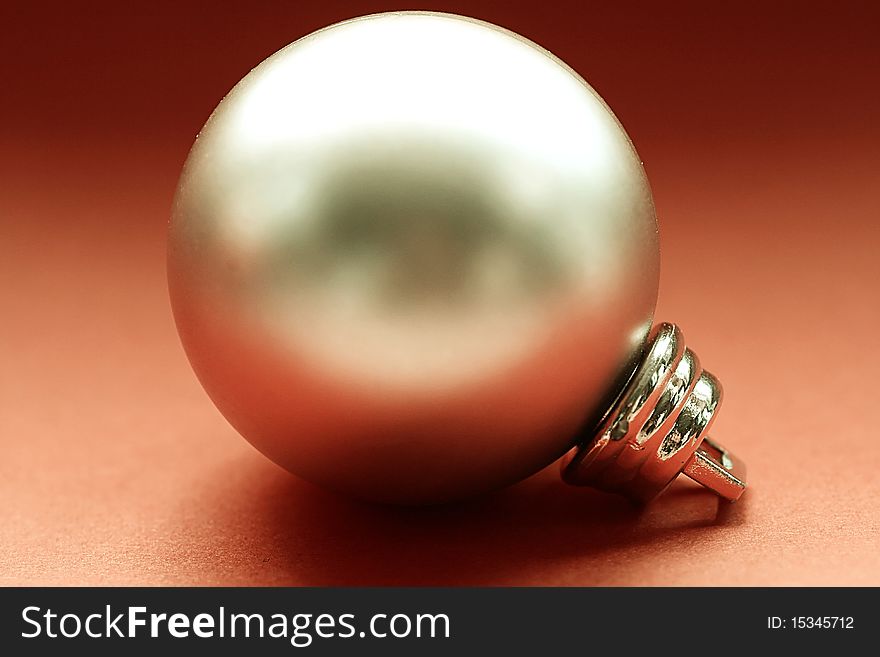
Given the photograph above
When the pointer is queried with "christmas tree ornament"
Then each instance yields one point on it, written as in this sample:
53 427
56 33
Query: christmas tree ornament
414 257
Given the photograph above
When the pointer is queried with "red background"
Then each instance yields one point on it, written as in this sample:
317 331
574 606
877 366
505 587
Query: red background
758 125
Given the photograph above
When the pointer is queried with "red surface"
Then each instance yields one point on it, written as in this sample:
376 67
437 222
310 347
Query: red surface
760 136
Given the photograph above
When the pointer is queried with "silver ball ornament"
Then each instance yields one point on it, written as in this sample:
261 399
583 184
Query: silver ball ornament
411 256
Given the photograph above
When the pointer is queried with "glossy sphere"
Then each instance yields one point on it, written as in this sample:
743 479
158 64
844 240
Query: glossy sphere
410 255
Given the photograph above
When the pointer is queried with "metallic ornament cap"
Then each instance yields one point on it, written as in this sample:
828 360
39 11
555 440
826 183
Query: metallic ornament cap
658 428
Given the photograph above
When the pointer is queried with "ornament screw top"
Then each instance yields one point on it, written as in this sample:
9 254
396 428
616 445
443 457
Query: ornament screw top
658 428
